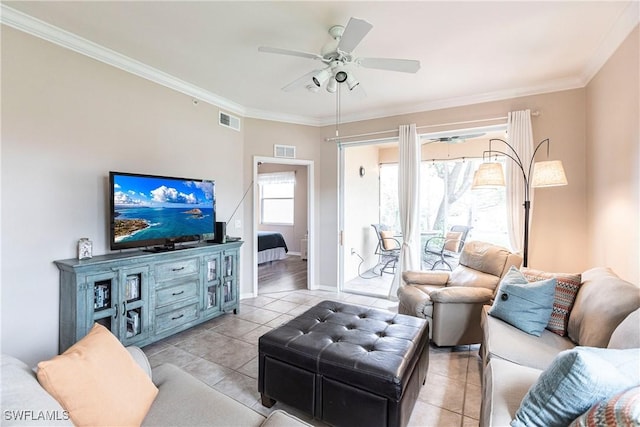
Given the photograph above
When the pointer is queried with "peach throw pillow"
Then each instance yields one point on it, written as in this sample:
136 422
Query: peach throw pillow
388 241
452 241
97 381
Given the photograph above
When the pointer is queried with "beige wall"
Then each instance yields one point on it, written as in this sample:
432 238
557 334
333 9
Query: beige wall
613 162
562 119
66 122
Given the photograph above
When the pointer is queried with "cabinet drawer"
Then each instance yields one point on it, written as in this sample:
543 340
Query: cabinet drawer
171 270
175 318
184 290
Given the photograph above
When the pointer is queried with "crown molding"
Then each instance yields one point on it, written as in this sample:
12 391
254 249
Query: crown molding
38 28
28 24
623 26
547 87
35 27
283 117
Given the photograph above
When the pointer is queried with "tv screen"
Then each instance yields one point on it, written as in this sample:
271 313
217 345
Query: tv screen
148 210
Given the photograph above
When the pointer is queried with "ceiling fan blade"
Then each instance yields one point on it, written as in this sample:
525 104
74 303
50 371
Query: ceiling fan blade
390 64
470 136
301 82
280 51
358 92
353 34
454 139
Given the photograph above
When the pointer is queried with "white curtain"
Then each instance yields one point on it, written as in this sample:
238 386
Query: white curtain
408 192
520 136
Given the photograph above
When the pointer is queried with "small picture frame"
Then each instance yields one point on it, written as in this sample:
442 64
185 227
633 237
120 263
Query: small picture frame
85 248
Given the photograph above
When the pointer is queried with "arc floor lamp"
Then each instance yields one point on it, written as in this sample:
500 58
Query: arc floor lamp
535 174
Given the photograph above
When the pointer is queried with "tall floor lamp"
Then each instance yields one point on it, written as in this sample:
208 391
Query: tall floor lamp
539 174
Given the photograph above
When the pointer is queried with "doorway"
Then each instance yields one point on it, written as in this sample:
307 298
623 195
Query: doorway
363 269
293 268
369 195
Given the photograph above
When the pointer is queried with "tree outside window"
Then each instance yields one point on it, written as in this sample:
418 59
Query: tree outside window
446 199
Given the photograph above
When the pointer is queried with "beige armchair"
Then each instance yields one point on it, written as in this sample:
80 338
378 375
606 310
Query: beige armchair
452 301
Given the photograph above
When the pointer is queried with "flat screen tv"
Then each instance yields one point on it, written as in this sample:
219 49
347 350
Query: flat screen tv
156 212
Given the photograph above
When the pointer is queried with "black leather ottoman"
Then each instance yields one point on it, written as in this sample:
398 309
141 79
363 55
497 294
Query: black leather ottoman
346 365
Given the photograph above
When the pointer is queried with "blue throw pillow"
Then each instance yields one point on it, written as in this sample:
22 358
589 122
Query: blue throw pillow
575 381
527 306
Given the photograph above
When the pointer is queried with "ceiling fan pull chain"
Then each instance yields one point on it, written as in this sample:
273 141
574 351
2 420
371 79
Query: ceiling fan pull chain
338 110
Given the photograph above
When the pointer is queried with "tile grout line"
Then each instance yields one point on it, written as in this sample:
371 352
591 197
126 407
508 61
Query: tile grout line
285 297
464 394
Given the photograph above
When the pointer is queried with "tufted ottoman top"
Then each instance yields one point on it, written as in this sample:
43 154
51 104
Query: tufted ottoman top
373 349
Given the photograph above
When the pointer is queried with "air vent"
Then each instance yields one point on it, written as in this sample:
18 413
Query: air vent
229 121
286 151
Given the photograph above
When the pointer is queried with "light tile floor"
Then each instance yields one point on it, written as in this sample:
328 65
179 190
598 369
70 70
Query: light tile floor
223 353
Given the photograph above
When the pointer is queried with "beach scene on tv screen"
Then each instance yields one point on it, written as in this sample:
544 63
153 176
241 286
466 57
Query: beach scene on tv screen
156 208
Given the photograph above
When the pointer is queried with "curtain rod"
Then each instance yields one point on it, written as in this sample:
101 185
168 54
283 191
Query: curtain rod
335 138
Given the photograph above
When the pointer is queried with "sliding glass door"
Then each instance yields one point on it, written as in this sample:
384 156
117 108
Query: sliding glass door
369 196
361 259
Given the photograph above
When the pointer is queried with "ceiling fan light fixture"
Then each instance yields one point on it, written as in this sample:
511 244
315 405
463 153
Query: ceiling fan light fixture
337 56
320 77
332 86
341 76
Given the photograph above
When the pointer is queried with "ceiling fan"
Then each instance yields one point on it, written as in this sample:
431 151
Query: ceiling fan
337 56
454 139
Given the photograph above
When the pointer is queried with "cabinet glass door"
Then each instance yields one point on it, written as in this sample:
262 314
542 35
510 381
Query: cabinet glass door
103 302
134 321
212 284
229 280
228 291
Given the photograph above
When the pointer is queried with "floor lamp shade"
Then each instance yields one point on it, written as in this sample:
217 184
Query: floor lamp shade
489 175
535 175
548 174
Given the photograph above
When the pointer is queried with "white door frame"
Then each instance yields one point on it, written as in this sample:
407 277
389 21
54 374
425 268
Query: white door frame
341 219
310 216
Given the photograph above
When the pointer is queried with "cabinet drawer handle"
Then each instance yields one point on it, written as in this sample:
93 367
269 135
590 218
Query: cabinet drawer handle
178 269
177 293
176 318
116 315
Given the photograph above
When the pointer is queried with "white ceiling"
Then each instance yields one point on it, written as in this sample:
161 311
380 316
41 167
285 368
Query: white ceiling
470 51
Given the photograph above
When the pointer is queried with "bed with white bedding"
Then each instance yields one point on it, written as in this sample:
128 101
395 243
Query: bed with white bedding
271 246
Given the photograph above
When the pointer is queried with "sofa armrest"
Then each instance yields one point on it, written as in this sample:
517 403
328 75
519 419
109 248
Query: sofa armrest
462 295
431 278
413 300
21 394
140 358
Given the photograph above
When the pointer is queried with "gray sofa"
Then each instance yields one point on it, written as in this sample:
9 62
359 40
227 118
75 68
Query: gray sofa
606 314
181 400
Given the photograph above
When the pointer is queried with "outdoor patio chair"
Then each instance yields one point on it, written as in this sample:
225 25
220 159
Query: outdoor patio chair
387 249
445 250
